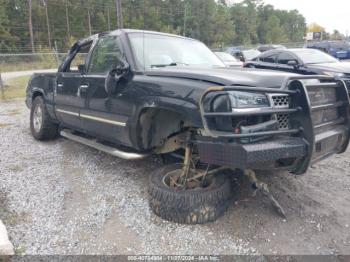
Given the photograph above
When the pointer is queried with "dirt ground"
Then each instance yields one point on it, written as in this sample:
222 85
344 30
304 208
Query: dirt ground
60 197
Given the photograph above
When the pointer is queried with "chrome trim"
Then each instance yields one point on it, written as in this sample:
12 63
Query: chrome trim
90 117
103 120
67 112
104 148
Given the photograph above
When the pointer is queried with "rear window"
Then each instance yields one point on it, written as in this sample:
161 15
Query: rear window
313 56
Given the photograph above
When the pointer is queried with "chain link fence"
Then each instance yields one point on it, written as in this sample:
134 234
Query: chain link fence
29 61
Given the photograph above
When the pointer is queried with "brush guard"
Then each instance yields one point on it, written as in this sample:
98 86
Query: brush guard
309 138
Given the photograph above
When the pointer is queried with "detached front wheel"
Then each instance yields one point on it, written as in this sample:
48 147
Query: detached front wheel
200 202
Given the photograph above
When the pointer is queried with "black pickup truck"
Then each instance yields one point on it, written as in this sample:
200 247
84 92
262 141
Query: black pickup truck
134 94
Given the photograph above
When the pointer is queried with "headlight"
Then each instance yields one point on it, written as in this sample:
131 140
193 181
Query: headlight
248 100
334 74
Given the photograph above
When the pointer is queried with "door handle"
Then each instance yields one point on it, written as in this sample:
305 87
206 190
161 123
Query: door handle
83 87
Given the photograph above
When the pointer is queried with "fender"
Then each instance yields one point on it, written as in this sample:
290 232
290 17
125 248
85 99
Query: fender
185 108
178 105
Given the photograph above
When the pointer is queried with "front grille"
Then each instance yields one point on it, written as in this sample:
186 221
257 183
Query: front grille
283 121
321 95
280 101
323 116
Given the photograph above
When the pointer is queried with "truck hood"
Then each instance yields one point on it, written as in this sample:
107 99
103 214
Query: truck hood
341 67
225 76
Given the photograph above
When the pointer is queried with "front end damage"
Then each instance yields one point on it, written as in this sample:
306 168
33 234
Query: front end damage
304 121
253 128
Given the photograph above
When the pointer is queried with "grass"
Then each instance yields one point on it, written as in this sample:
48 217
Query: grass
22 66
16 87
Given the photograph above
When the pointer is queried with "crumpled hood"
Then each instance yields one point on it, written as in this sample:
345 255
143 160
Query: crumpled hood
225 76
341 67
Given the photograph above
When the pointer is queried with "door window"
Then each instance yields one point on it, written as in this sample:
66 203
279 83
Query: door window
106 55
284 58
269 59
79 59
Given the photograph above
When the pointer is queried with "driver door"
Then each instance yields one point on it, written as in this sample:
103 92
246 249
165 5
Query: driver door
70 88
104 114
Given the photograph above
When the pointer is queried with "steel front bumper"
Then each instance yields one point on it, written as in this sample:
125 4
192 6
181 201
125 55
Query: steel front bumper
268 154
251 155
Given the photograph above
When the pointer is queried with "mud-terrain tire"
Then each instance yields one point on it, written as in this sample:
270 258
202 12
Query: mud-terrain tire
41 126
191 206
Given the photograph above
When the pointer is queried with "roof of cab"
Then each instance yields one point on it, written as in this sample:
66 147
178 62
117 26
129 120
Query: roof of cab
86 40
130 31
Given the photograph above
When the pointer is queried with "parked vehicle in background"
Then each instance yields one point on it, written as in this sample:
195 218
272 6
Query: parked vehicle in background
140 94
229 60
246 55
242 54
303 61
337 49
250 54
264 48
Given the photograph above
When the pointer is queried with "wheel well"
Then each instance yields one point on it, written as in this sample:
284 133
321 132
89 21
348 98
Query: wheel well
35 94
156 126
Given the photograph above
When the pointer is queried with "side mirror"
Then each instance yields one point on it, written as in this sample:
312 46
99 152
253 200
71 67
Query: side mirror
116 75
293 63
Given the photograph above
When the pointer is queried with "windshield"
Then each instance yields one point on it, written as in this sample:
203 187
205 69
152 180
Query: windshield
226 57
155 50
250 54
312 56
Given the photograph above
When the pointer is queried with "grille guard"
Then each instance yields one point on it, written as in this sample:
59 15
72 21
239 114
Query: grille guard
300 109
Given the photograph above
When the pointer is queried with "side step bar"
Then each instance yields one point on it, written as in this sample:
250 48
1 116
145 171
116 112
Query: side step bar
107 149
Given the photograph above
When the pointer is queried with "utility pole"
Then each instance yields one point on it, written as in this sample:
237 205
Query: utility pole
30 25
67 21
185 19
118 4
89 21
47 22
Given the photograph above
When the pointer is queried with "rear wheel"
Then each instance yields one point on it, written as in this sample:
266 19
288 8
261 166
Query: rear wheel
41 126
201 201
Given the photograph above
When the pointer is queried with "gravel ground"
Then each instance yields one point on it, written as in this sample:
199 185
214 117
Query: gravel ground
64 198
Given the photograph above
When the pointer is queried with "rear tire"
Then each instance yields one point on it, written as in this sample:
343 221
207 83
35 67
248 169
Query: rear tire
190 206
41 126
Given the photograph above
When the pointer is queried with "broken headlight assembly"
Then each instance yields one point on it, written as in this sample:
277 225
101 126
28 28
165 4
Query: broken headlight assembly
248 100
246 108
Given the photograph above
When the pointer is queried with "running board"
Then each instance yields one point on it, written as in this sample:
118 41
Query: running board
107 149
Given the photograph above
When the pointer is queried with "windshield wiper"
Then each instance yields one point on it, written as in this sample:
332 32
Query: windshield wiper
171 64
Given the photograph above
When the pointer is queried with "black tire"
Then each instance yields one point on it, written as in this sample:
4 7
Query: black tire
191 206
47 129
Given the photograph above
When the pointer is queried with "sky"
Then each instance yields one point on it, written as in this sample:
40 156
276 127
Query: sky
331 14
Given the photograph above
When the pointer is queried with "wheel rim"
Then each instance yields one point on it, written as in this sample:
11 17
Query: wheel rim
171 180
37 118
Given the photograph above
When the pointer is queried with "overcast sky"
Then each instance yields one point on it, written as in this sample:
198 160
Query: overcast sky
331 14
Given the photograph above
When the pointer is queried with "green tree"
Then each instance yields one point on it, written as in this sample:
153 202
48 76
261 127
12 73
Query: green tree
275 33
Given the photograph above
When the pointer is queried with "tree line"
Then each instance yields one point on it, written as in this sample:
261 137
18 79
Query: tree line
41 25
